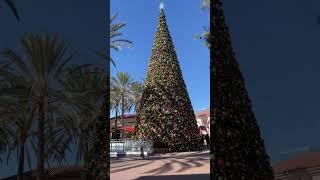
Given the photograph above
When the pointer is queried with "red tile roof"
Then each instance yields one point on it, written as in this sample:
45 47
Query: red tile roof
308 160
204 112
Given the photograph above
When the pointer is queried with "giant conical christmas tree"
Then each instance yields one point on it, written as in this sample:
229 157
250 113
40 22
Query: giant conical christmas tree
166 114
237 148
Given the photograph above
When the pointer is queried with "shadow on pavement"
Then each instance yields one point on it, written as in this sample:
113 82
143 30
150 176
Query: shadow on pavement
129 167
177 177
183 162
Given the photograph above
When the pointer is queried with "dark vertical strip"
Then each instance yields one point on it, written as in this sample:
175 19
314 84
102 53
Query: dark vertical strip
212 84
99 167
107 114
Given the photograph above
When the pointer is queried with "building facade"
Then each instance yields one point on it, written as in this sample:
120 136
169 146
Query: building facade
203 121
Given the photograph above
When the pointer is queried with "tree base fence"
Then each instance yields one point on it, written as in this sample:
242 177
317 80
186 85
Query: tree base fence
124 148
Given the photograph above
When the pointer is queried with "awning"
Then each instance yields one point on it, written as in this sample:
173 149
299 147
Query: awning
203 130
127 129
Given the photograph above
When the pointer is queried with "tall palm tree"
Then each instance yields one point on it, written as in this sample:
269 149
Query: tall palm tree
16 114
116 42
19 114
20 135
44 61
12 7
86 87
92 120
3 134
114 104
3 138
136 93
122 84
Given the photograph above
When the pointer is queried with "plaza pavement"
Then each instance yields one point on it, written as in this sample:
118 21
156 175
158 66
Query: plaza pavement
177 166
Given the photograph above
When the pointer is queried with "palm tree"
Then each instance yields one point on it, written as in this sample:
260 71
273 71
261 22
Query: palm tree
3 138
20 134
86 87
136 93
205 4
115 41
12 7
205 35
122 84
114 104
19 114
3 134
44 62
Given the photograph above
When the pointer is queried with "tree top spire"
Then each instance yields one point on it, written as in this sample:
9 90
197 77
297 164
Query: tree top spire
161 5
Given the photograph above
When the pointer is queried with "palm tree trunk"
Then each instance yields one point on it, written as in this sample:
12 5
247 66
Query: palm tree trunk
122 110
136 106
116 121
21 162
40 165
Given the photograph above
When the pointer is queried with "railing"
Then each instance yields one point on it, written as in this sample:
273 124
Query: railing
124 146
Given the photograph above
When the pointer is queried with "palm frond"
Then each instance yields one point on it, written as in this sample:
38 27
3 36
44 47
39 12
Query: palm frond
13 8
116 44
205 4
14 59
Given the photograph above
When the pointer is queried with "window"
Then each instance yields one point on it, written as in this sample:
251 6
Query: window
204 121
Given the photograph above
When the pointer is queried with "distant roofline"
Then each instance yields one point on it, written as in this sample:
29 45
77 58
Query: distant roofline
205 111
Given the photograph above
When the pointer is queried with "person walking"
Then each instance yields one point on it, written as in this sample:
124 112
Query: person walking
207 140
203 141
141 149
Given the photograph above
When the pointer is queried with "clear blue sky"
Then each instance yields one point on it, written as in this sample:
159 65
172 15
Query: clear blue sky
185 19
